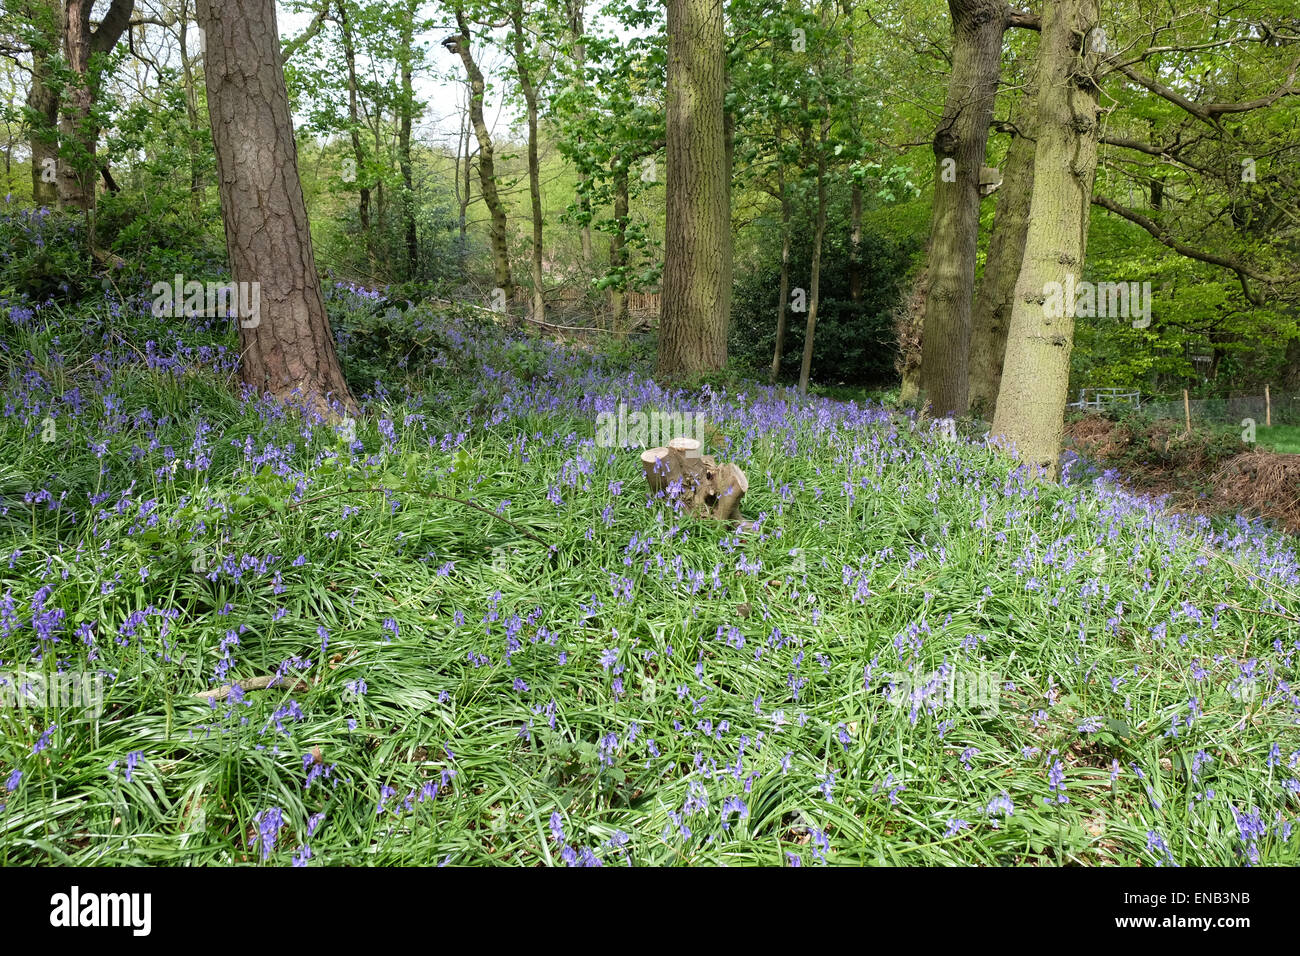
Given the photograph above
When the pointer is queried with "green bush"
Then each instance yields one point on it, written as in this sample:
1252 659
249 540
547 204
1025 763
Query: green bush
43 254
855 342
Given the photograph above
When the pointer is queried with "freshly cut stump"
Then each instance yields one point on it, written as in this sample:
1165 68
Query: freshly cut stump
704 487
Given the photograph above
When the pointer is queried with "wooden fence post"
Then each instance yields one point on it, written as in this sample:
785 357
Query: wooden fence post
1268 409
1187 411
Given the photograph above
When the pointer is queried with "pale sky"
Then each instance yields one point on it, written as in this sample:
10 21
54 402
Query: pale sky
442 87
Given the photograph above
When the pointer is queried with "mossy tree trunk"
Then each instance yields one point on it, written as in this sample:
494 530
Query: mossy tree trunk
995 293
959 145
1036 371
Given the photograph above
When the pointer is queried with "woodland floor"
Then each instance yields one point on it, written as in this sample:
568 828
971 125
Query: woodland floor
921 657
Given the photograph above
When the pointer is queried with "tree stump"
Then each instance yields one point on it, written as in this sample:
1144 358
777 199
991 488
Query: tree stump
696 481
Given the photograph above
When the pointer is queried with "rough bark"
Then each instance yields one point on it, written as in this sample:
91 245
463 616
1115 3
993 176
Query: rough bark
1036 371
290 349
696 289
959 147
910 320
995 292
76 128
486 164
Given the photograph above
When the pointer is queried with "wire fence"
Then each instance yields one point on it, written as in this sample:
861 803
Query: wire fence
1267 409
1263 410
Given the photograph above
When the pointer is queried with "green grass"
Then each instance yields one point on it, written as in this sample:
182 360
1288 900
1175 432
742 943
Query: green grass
1284 439
1153 657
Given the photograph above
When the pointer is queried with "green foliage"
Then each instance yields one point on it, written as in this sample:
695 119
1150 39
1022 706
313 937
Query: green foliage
855 342
43 254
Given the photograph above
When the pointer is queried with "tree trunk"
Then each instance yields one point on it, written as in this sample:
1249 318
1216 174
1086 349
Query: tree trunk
77 173
1291 372
574 10
43 105
783 293
1036 372
404 144
529 89
855 243
909 337
855 190
354 121
814 293
486 166
696 292
618 249
191 115
463 182
289 349
994 296
959 148
77 125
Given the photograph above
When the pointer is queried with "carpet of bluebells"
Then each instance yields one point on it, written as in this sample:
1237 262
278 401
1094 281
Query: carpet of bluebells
916 656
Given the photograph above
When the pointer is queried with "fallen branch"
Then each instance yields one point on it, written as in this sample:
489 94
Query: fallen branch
253 683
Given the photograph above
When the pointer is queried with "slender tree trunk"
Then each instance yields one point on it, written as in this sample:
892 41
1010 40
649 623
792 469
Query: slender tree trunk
783 293
463 181
574 10
996 290
404 144
288 350
529 89
696 289
354 130
1036 371
855 190
855 243
959 147
618 250
486 166
191 114
814 293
